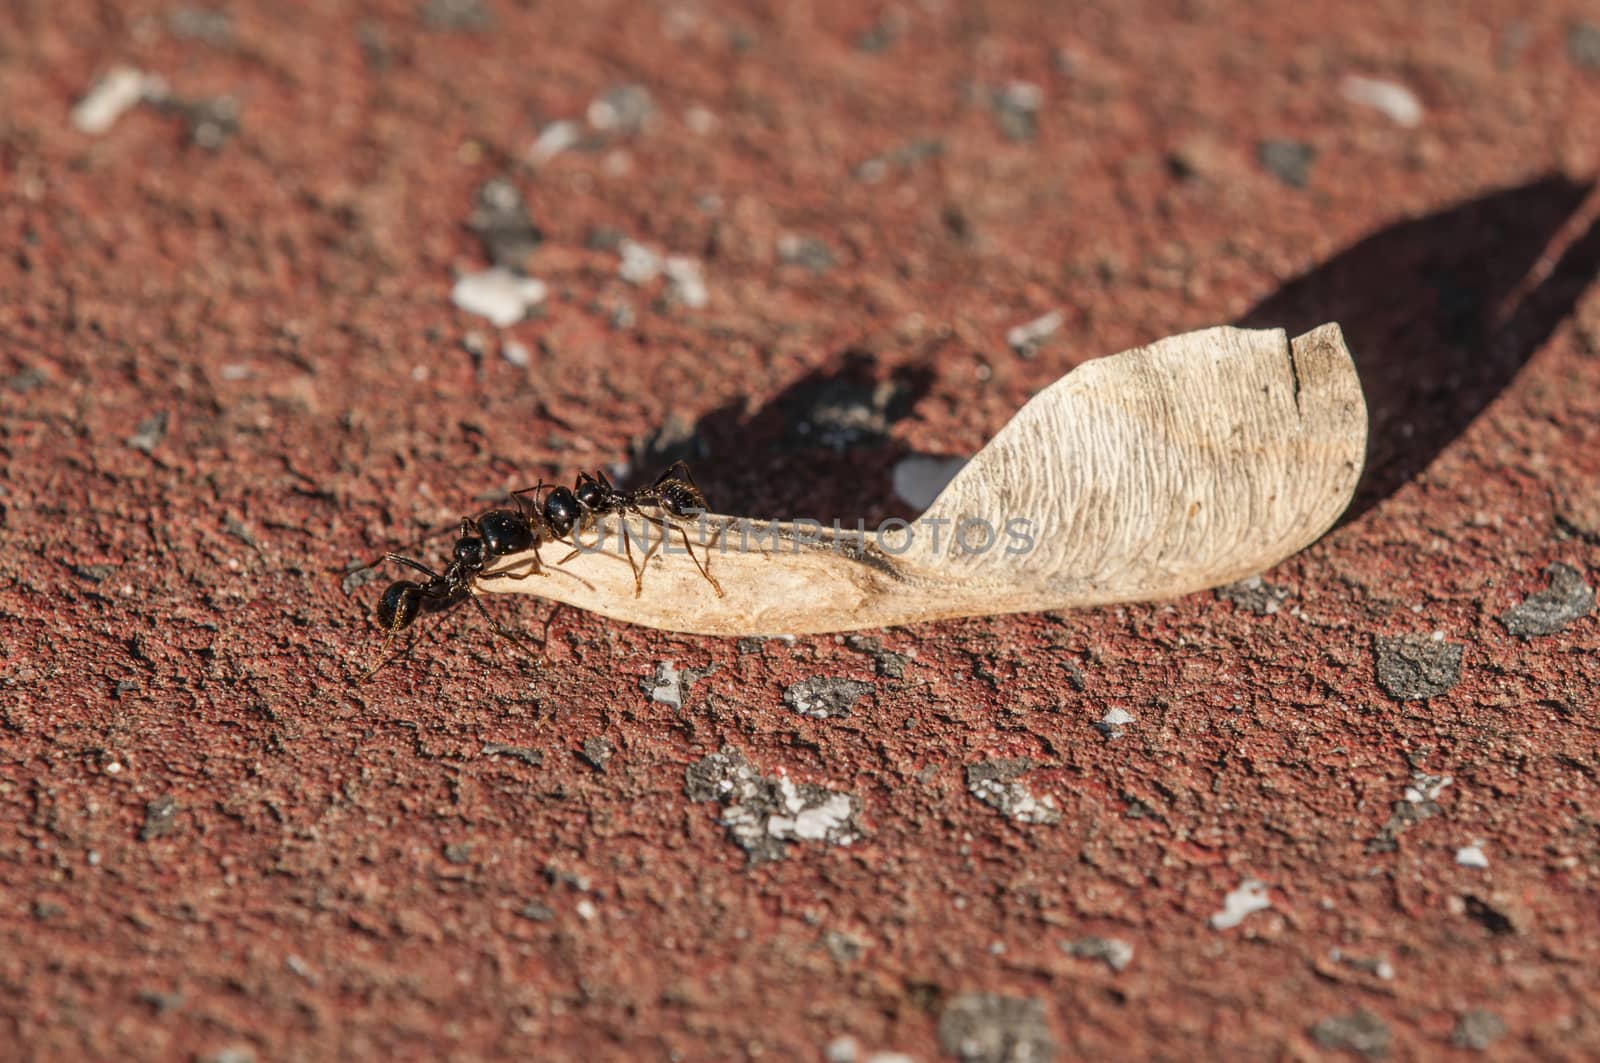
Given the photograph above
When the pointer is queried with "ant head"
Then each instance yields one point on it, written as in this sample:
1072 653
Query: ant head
399 605
468 551
592 493
561 509
505 532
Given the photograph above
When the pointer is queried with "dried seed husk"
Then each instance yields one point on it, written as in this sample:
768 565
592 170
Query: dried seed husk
1186 464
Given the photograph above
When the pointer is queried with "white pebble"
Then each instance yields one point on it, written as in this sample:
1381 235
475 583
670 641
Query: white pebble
553 139
498 294
112 96
1472 856
1398 103
1250 897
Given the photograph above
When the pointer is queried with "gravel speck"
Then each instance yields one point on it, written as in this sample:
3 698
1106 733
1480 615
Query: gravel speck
468 16
1568 598
1116 953
1472 856
1111 724
1417 667
996 783
765 813
1361 1032
1287 160
1417 804
1583 44
113 95
988 1028
824 698
552 140
597 751
805 251
686 282
640 264
160 818
666 686
622 109
1249 898
502 225
498 294
149 432
1255 594
1016 109
1477 1030
531 757
1392 99
1026 339
204 24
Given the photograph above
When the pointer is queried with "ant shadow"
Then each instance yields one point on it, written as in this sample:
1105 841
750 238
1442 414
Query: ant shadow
1436 311
829 432
1438 317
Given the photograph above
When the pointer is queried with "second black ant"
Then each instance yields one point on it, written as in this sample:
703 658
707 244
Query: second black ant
569 513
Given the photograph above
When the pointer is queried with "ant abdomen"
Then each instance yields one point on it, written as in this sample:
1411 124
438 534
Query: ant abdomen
399 605
505 532
561 510
681 500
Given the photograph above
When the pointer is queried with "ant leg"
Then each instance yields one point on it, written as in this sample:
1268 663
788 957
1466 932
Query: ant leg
502 631
429 534
547 622
627 545
399 622
409 563
690 550
383 653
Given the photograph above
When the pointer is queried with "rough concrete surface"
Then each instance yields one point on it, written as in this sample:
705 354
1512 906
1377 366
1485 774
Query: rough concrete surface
788 241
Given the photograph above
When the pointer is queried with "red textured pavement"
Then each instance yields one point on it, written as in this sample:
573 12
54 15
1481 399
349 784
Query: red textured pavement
230 366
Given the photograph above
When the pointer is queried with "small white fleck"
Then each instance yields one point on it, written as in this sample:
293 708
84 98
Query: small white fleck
586 909
640 264
1250 897
553 139
1390 98
236 371
516 354
844 1049
1472 856
498 294
93 856
700 120
667 690
1025 339
112 96
687 282
113 768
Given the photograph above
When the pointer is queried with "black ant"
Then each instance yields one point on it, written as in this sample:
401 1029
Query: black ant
495 534
567 513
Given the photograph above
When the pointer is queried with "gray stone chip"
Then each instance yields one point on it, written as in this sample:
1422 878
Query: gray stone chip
1567 598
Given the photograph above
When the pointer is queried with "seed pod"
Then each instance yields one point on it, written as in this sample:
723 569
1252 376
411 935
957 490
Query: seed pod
1192 462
